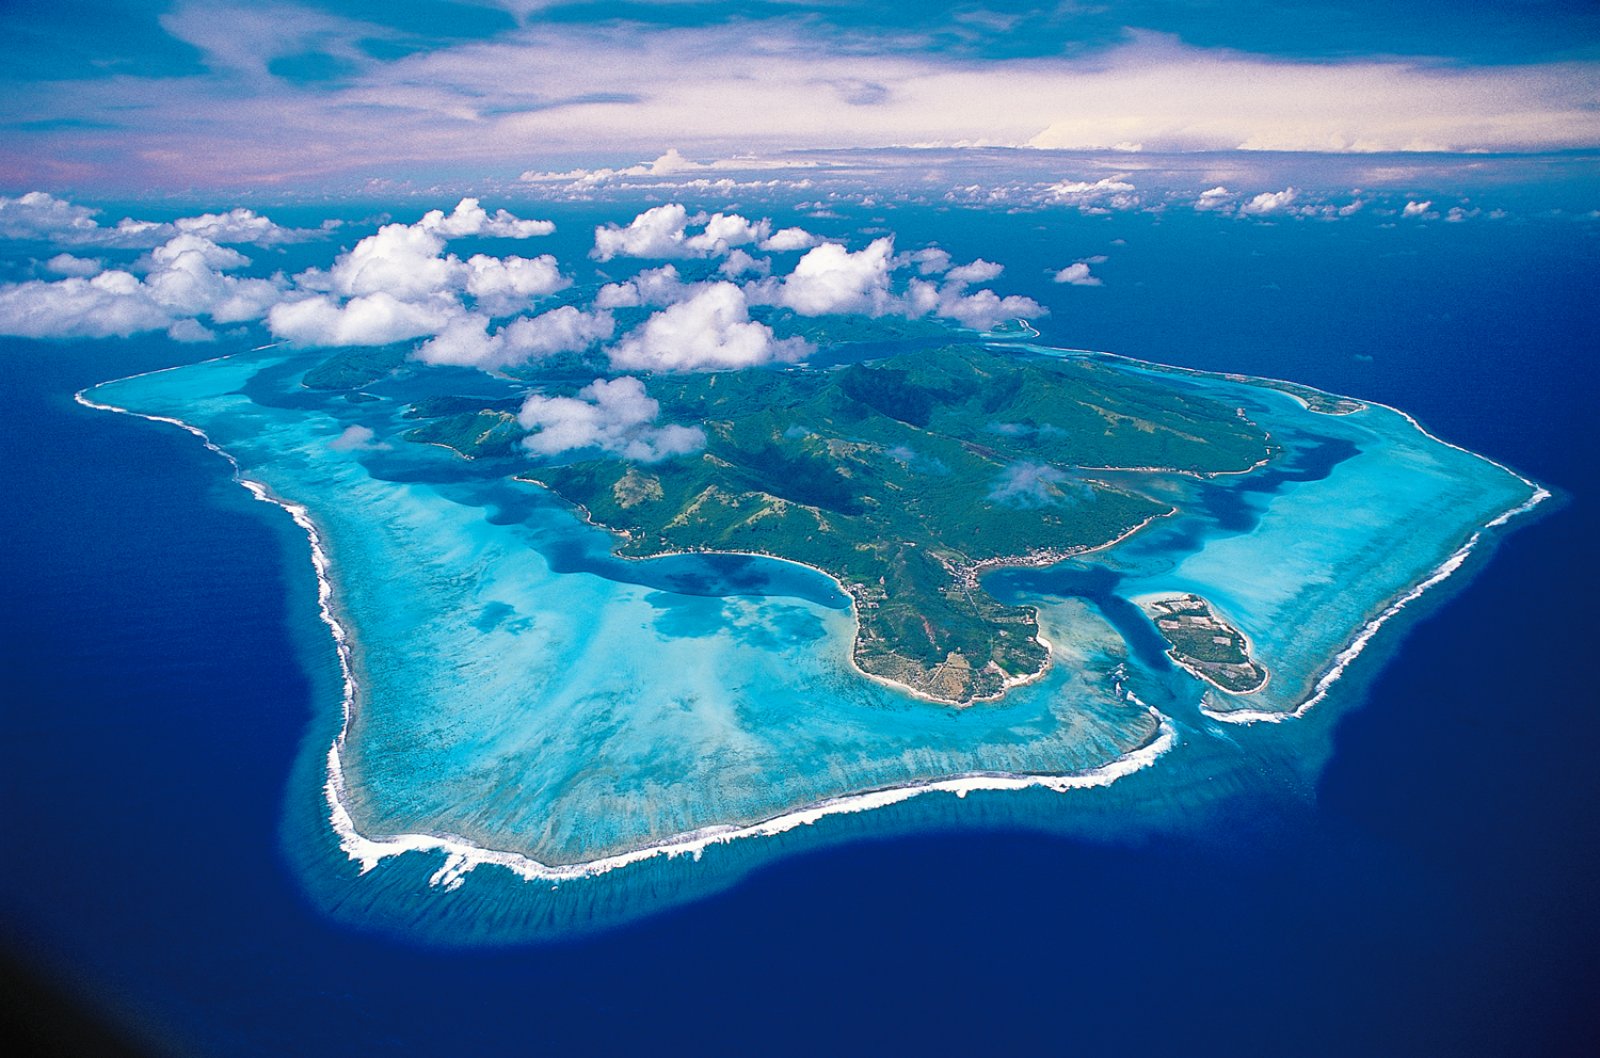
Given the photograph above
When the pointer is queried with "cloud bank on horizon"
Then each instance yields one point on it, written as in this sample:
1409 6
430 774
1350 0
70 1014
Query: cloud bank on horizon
134 94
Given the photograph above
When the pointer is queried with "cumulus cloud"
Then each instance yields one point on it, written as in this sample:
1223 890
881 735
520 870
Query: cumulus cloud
725 230
1213 198
653 286
710 330
615 416
400 283
786 239
1077 274
980 310
466 341
831 279
503 284
930 260
240 226
113 303
1416 209
38 215
1269 202
1030 485
1099 196
663 231
401 260
657 232
65 264
191 331
470 218
378 318
979 271
184 279
740 263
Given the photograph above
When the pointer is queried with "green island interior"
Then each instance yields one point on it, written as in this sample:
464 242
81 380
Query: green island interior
903 479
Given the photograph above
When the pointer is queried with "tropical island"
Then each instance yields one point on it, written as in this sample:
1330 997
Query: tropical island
903 479
1204 643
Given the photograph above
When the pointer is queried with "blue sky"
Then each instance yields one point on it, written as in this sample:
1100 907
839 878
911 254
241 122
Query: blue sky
125 97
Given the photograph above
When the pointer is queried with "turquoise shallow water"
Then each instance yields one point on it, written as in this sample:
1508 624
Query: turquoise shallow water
519 692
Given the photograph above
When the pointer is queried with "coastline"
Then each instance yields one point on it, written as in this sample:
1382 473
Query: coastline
463 856
966 576
1178 658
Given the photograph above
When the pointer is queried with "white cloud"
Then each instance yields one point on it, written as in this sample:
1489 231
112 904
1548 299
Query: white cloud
652 286
1269 202
657 232
562 330
64 264
113 303
356 439
378 318
505 284
930 260
830 279
38 215
470 218
616 417
708 331
724 230
403 285
466 342
197 248
786 239
1077 274
401 260
980 309
184 280
662 231
1029 485
1213 198
240 225
1098 196
1416 209
740 263
191 331
979 271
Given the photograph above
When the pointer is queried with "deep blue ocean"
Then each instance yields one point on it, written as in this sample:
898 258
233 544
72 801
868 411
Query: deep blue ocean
1432 895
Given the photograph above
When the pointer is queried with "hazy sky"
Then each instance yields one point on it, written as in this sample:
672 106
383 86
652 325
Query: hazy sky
128 95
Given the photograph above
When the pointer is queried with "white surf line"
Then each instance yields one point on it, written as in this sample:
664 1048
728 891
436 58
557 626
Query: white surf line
463 856
1343 659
